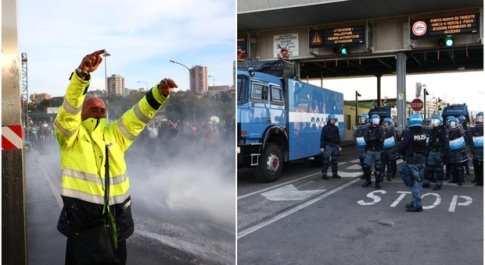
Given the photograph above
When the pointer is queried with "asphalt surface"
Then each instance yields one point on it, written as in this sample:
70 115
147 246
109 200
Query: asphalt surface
302 219
161 236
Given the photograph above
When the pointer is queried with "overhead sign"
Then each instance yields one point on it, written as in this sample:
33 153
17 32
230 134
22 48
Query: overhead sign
417 104
336 36
242 47
286 41
444 25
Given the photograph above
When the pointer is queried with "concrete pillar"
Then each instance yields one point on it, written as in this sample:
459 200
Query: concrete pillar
379 101
401 89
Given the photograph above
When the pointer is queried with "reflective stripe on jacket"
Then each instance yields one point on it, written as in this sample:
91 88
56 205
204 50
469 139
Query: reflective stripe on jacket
83 152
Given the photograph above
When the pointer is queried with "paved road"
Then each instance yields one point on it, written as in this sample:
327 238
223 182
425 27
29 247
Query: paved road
162 235
302 219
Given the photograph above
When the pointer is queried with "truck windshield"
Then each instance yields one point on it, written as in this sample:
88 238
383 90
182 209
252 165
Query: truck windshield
242 89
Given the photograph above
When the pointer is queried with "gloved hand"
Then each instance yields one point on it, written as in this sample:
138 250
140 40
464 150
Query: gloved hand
340 149
166 86
91 61
322 149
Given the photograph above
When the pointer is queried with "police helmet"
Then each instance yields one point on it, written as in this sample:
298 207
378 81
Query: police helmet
427 122
436 120
364 116
332 117
415 120
389 121
375 119
453 121
479 118
462 118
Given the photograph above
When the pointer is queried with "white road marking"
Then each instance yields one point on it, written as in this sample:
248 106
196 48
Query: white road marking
436 202
289 193
354 167
276 186
453 204
293 210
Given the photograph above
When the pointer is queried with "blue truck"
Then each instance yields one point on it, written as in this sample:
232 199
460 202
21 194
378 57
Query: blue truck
279 118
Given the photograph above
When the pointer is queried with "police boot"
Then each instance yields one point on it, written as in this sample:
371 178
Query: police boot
460 179
367 181
409 205
414 209
378 181
324 172
437 187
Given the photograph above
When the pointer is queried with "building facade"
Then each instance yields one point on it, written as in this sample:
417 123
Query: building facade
198 79
116 85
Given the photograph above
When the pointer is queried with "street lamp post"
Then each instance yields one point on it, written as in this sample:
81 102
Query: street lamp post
213 80
425 94
357 95
193 92
105 55
144 82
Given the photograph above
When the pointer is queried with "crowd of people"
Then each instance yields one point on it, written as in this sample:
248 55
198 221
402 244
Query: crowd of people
187 137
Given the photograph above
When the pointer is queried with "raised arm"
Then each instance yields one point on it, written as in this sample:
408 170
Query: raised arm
68 118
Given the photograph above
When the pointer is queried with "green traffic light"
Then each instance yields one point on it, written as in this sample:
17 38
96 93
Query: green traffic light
449 41
343 50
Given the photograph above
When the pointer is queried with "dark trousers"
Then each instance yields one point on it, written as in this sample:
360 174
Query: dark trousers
478 169
372 157
457 172
330 158
120 253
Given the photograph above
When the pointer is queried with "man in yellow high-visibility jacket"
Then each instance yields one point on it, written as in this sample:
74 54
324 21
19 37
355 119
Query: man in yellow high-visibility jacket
83 135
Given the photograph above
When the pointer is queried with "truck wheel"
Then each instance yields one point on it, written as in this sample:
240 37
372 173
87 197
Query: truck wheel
270 164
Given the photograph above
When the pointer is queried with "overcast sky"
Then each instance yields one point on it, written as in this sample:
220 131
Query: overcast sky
466 87
141 36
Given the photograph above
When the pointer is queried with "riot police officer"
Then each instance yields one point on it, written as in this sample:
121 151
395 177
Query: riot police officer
413 147
389 156
457 150
330 146
476 132
464 124
359 137
373 151
427 128
437 145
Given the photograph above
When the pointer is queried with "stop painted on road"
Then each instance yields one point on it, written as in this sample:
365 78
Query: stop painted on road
374 197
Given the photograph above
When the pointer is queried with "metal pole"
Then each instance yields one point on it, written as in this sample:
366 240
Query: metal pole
401 89
105 55
14 249
424 110
357 95
379 90
190 81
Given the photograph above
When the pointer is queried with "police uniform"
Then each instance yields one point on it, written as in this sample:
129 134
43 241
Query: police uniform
458 152
330 142
476 133
413 148
359 138
373 151
389 156
436 147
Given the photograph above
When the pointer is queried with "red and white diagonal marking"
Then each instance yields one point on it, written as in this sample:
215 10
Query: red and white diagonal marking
12 137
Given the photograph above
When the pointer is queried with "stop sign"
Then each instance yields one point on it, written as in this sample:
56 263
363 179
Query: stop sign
417 104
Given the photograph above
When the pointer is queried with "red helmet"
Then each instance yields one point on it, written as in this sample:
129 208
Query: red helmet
93 107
